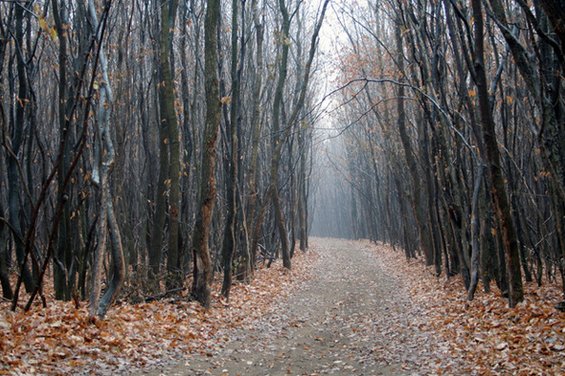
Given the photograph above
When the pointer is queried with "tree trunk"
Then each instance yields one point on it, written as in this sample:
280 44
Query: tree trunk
277 139
230 234
475 229
63 252
498 192
16 137
202 260
169 123
424 236
106 216
4 276
253 172
555 11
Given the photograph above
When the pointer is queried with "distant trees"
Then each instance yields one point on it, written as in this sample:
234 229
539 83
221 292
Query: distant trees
113 116
461 116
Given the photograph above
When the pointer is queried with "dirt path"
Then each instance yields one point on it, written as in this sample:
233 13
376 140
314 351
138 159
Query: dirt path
351 318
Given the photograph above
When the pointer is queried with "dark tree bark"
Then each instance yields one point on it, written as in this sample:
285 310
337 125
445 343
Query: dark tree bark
276 130
475 229
424 236
63 254
254 206
555 11
169 123
498 192
202 260
231 233
16 136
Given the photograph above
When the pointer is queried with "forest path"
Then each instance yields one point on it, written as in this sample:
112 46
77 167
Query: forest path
350 318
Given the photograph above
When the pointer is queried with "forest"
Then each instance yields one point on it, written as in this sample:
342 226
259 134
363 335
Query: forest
175 150
452 138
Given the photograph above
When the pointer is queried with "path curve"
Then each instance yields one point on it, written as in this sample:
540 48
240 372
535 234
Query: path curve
351 318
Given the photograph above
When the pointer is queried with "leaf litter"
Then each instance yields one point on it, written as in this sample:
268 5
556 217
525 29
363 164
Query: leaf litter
483 336
368 311
348 308
61 340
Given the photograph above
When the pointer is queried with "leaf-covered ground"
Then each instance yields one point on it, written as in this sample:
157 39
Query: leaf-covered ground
367 311
350 318
484 336
349 308
61 340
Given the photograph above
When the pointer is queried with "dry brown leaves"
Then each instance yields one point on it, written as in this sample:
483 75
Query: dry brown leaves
484 336
61 340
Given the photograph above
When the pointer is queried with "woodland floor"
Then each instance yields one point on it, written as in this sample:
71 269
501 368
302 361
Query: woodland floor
357 315
346 308
351 318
